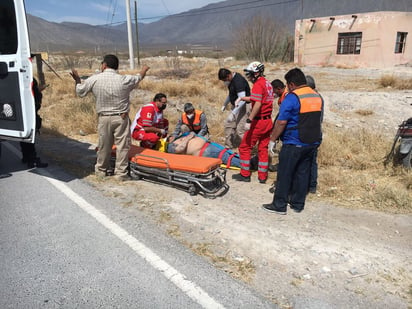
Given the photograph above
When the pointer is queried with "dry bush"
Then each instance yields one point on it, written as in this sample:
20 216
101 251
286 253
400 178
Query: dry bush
391 81
174 73
352 171
364 112
65 113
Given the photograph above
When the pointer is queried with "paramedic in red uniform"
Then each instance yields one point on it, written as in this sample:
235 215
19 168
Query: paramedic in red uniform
299 128
260 121
149 125
192 120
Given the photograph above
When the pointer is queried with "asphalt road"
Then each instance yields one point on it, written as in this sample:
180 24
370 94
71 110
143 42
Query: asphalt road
64 245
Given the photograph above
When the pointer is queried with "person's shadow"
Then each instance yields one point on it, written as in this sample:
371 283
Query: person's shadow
67 159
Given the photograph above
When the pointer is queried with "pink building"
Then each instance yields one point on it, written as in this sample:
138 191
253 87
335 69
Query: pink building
377 39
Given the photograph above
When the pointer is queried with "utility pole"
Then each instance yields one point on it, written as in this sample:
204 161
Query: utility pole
129 34
137 32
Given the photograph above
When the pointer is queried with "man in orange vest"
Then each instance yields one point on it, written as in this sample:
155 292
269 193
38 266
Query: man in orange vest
279 89
299 128
192 120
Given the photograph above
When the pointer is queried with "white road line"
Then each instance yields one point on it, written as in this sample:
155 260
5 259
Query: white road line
188 287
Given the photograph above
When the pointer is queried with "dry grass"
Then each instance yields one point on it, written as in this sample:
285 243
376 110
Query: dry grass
391 81
351 161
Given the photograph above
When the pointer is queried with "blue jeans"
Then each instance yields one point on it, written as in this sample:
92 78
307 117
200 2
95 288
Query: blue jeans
213 151
293 176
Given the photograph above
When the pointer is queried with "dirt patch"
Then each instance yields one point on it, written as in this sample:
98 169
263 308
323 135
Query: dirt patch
330 256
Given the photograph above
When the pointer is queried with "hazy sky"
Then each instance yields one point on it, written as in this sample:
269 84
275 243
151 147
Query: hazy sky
97 12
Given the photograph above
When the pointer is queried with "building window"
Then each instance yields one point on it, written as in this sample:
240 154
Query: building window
349 43
400 42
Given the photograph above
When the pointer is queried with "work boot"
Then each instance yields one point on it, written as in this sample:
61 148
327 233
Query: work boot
36 163
240 177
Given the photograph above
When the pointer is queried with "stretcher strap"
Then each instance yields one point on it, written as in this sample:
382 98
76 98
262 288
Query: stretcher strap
203 149
229 160
231 155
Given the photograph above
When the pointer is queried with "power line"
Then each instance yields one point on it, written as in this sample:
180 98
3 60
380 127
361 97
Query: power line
167 10
216 10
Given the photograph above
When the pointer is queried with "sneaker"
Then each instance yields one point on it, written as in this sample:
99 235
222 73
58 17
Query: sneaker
269 207
122 177
240 177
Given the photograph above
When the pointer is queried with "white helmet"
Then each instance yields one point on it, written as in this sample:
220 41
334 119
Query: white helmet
254 67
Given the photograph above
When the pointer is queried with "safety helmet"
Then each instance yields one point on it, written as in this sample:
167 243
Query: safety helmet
254 67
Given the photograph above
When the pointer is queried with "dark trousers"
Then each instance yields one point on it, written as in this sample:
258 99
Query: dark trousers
313 182
28 151
293 176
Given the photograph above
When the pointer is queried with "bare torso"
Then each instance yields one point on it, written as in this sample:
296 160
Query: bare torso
195 145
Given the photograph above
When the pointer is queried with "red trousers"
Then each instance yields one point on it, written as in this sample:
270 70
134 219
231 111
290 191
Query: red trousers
149 139
259 133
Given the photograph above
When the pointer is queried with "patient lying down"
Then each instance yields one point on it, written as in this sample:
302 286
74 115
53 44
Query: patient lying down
193 144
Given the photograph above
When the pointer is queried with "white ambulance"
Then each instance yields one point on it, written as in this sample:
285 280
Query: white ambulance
17 109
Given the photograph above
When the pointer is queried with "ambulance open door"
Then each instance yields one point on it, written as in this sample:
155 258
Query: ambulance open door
17 109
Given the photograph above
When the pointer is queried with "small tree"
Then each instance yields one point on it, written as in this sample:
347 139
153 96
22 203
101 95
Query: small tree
263 39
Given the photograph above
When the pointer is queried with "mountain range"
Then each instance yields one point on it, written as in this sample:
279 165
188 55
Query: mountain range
212 25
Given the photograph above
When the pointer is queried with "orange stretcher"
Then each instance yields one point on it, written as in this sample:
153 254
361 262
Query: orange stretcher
196 175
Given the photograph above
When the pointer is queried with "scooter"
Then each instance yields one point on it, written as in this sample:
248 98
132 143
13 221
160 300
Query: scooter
403 153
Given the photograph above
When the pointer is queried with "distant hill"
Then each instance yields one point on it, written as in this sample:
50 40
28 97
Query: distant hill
211 25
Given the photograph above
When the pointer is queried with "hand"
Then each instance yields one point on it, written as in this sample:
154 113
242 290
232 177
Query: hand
247 126
238 101
272 147
170 139
162 132
223 108
75 76
231 117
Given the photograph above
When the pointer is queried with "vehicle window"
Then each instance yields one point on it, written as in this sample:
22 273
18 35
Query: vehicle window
8 28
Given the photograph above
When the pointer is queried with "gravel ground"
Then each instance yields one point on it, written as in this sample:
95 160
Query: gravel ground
324 257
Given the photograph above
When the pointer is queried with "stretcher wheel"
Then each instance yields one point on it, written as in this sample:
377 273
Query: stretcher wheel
193 190
135 176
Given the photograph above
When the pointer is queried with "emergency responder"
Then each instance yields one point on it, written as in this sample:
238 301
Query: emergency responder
299 128
149 125
259 122
279 89
234 126
192 120
313 181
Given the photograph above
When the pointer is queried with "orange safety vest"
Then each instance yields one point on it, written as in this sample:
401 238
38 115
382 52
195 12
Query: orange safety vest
194 123
309 126
282 97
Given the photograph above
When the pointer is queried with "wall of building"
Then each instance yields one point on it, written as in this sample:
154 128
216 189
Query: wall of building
316 40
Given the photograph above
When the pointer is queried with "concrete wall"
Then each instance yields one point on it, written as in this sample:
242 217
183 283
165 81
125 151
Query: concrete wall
316 40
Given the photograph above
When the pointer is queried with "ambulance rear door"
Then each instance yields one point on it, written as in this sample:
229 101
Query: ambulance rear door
17 109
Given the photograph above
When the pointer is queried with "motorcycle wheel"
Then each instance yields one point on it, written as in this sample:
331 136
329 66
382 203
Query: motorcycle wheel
407 160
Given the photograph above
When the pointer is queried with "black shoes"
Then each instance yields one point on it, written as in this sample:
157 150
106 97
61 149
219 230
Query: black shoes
312 190
262 181
36 163
239 177
269 207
